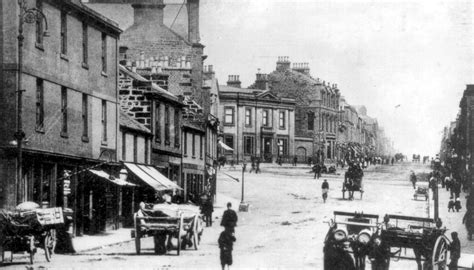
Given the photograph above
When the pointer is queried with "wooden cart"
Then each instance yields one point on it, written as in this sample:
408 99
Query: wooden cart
171 226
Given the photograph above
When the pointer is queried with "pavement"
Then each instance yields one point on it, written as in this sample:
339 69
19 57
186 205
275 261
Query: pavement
88 243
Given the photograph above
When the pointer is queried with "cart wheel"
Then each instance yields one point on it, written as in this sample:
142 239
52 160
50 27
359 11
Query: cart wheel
49 245
195 232
32 249
180 230
440 253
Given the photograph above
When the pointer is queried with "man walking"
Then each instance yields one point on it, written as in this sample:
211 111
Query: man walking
295 159
229 218
455 251
226 243
317 170
325 189
413 179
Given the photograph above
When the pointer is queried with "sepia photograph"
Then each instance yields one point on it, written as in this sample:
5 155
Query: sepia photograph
237 134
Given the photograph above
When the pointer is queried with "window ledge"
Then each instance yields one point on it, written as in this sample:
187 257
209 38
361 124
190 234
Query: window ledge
104 74
103 143
64 57
85 139
39 130
64 134
229 124
39 46
85 65
194 157
185 155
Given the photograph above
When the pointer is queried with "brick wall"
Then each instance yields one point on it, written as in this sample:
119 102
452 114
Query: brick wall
133 101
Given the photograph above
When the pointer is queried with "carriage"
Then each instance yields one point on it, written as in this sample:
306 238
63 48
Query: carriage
403 237
352 183
421 190
172 226
27 231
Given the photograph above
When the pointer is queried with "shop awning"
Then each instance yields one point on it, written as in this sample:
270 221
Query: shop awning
111 178
151 177
225 146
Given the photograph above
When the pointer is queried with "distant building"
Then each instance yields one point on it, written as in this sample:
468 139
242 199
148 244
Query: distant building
316 112
256 123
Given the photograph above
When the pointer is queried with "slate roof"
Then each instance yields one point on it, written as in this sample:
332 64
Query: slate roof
130 123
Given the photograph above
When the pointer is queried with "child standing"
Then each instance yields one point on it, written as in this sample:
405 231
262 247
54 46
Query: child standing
450 205
226 243
457 205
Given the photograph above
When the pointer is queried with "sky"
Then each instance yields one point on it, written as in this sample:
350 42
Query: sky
416 54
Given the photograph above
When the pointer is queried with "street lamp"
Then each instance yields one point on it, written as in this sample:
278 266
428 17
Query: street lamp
27 15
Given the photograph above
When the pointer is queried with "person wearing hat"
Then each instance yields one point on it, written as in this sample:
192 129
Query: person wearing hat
455 251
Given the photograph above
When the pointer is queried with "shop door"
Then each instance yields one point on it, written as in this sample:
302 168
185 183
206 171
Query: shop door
267 143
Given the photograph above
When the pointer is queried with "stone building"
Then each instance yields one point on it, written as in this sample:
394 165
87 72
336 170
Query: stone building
256 122
69 118
316 112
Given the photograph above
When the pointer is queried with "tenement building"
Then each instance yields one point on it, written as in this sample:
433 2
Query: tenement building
256 122
67 120
316 112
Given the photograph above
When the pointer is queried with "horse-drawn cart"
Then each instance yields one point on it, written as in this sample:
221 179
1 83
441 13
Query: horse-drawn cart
26 231
353 182
172 226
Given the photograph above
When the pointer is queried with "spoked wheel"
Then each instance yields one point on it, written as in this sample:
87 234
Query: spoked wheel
195 232
49 243
440 253
180 232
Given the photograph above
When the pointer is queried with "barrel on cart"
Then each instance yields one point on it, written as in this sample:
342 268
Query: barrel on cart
172 226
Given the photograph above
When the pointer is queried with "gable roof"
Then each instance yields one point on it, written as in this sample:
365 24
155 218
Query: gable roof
126 121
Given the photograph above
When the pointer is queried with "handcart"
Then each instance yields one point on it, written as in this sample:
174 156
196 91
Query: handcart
422 190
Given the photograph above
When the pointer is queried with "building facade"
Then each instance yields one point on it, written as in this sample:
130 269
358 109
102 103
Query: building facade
256 123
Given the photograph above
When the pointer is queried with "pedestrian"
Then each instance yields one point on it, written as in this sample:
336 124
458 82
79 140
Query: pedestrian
413 179
447 182
379 255
226 243
207 210
451 205
229 218
295 159
325 189
457 204
252 160
279 160
467 220
455 251
317 170
232 164
258 166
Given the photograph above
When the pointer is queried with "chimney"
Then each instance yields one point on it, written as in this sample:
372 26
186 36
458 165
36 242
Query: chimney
193 21
262 81
301 67
234 81
148 12
283 63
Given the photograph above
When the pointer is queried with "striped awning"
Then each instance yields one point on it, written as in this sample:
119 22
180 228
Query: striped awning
225 146
151 176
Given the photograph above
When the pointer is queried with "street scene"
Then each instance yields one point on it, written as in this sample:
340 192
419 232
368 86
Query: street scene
236 134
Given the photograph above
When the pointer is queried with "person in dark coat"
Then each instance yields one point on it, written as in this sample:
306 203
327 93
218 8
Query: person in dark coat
295 160
455 251
325 189
451 205
317 170
258 166
207 209
413 179
379 255
457 205
229 218
226 243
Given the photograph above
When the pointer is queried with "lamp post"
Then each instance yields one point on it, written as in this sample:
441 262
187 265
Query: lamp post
27 15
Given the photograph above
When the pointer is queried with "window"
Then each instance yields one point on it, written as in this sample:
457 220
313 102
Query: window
200 147
249 145
85 117
85 41
311 121
104 121
135 148
229 141
282 118
39 23
157 122
124 146
39 104
167 125
177 128
146 150
229 115
282 147
193 145
265 118
63 32
248 117
64 111
185 143
104 53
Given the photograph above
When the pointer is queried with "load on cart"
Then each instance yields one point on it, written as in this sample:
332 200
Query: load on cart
172 226
29 227
421 191
353 181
